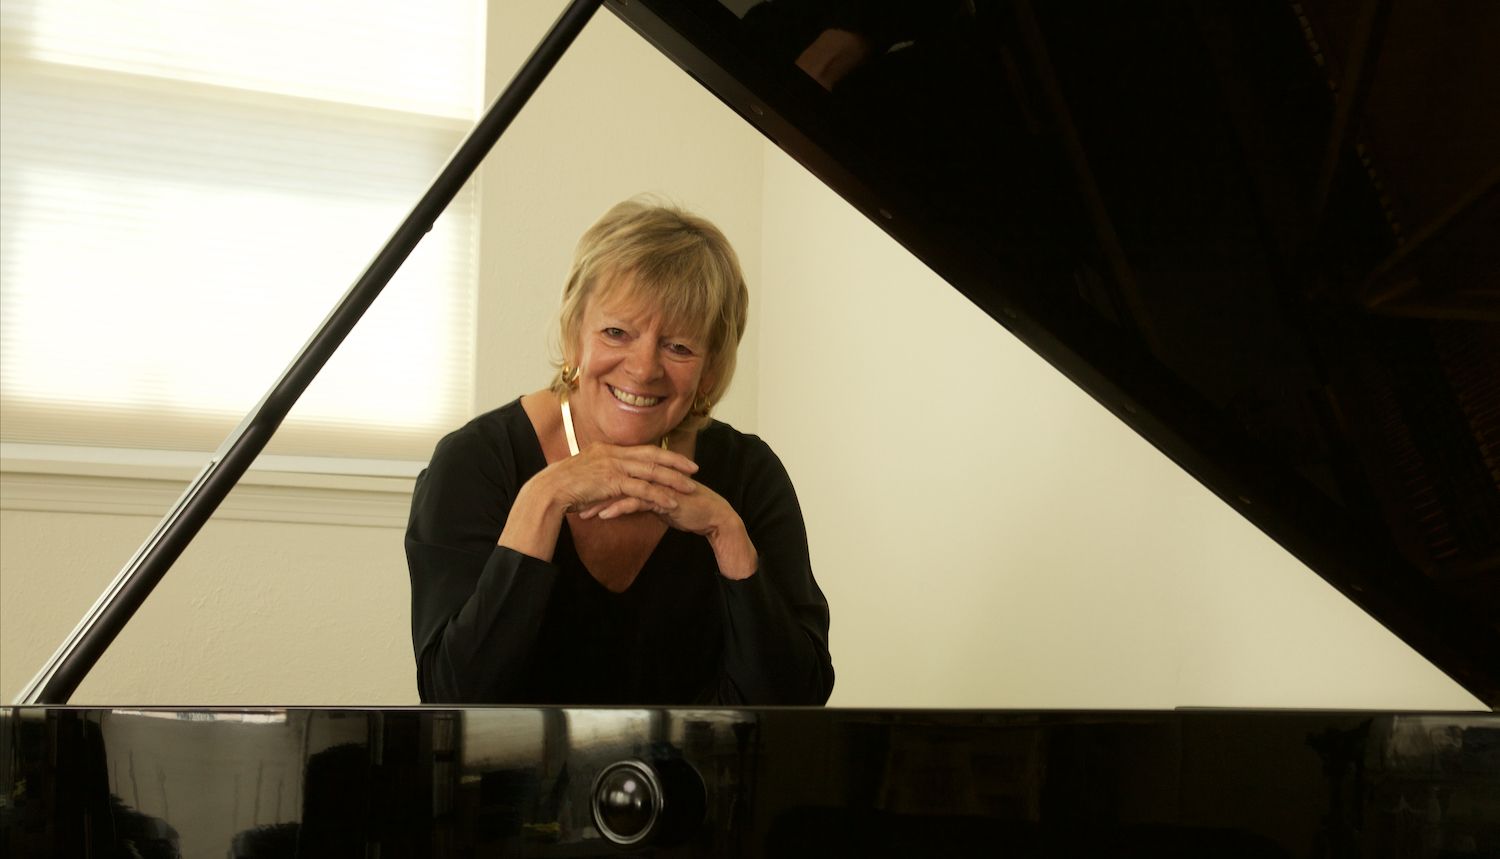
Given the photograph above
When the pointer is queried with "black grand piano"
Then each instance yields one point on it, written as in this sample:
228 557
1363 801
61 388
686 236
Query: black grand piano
1264 235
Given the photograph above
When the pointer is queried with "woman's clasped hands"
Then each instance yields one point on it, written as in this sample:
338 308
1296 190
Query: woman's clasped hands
608 482
619 480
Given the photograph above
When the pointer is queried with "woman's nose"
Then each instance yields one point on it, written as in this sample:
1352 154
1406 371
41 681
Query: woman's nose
644 361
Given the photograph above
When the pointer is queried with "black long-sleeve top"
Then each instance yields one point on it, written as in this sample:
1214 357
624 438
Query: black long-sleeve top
492 625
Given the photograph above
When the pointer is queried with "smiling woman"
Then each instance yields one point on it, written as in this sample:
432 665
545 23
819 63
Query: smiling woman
604 541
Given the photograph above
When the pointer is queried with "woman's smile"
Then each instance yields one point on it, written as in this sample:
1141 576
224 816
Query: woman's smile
629 399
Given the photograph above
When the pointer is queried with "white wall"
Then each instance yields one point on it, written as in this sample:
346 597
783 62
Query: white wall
254 612
986 534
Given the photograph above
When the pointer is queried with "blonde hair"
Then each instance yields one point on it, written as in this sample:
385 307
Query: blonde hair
671 259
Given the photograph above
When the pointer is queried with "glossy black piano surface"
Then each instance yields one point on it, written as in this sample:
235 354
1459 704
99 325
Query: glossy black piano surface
767 782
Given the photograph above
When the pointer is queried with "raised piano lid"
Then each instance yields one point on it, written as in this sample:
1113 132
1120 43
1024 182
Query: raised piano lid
1266 236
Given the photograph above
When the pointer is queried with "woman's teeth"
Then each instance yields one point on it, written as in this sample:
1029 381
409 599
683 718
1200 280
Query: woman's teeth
632 400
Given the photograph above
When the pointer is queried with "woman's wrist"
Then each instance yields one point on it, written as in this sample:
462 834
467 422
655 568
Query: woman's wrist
540 494
733 549
535 520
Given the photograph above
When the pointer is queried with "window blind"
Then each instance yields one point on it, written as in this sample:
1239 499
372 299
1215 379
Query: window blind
186 188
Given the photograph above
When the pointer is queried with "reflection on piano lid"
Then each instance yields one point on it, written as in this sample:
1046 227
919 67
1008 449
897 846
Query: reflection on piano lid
1266 236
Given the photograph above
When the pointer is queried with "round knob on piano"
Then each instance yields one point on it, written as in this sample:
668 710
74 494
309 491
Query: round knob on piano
627 801
662 802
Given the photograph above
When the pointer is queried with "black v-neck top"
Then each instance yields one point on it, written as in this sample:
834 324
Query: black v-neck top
492 625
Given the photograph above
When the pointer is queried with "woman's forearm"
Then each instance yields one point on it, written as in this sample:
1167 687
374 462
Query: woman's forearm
482 653
774 652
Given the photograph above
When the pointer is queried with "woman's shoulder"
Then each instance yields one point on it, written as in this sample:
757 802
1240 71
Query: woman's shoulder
739 456
460 497
503 434
744 469
720 437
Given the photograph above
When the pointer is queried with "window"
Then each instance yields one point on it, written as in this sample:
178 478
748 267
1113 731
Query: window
187 187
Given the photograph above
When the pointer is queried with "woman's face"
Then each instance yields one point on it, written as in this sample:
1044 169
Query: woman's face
638 376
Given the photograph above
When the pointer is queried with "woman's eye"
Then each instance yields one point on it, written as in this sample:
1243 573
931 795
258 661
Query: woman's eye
614 333
680 349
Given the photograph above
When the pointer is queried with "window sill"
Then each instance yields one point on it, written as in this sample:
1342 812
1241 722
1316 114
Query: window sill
328 491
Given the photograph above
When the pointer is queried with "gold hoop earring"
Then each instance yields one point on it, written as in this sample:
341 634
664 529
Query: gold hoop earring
702 404
570 375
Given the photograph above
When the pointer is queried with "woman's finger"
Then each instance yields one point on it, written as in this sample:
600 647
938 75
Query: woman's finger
653 494
591 510
652 453
624 507
655 472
